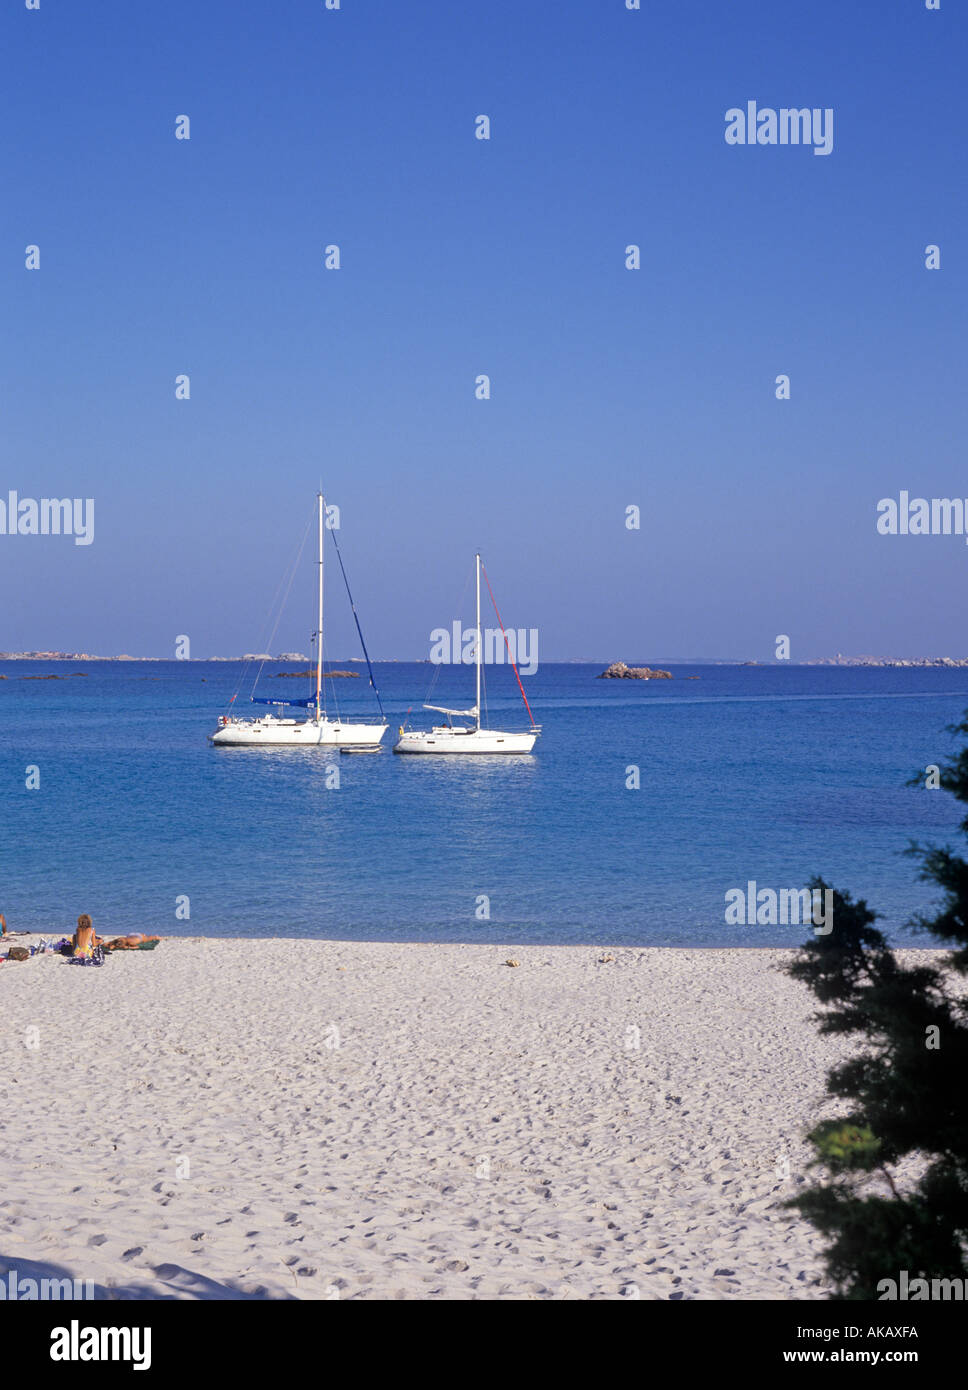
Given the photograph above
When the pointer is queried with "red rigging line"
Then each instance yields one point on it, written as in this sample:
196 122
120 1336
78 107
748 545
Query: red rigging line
508 645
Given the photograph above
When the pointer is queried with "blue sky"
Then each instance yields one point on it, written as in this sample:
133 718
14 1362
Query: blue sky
609 387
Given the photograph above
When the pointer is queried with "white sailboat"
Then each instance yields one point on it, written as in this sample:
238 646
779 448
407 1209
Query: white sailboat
317 729
471 738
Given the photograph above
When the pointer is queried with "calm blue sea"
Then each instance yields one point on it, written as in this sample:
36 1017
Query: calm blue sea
765 773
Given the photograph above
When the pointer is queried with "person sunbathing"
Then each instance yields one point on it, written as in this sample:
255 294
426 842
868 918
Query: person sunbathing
85 939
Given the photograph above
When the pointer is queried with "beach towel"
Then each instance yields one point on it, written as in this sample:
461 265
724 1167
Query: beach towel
96 957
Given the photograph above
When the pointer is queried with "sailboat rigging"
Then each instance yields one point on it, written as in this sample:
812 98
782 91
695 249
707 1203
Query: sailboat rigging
317 729
474 738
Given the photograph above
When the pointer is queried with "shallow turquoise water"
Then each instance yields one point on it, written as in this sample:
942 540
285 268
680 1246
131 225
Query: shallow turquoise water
765 773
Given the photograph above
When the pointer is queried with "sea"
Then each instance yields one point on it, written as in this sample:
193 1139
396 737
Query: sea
642 806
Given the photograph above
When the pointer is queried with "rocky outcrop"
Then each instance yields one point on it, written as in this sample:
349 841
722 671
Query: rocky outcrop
289 675
619 671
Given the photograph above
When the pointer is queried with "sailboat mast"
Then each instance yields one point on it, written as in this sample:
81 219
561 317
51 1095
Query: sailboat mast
477 702
319 623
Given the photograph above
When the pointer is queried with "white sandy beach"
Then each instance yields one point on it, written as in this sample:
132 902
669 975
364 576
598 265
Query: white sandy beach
479 1131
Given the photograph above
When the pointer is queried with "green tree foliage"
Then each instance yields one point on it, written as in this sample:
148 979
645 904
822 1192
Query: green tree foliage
904 1089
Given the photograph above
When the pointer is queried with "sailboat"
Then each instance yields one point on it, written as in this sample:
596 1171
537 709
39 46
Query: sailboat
317 729
470 738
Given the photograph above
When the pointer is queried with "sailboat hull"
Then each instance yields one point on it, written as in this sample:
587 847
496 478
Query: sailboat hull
449 740
295 733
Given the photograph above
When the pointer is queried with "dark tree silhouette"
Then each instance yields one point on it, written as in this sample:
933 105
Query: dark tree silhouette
904 1090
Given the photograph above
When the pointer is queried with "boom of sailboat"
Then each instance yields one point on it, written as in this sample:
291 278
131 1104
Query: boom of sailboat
318 728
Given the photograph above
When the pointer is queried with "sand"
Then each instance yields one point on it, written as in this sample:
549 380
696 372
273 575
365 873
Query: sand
308 1119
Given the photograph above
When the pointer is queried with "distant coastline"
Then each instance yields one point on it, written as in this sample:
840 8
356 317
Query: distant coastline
838 660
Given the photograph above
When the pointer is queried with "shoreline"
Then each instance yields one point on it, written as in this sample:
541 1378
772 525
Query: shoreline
887 662
498 945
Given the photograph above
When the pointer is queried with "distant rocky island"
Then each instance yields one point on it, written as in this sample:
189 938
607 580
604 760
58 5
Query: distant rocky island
60 656
311 671
618 671
71 675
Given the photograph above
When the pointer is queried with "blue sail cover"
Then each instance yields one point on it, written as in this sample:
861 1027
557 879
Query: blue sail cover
257 700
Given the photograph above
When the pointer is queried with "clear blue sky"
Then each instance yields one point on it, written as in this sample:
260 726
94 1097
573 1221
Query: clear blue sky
460 257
